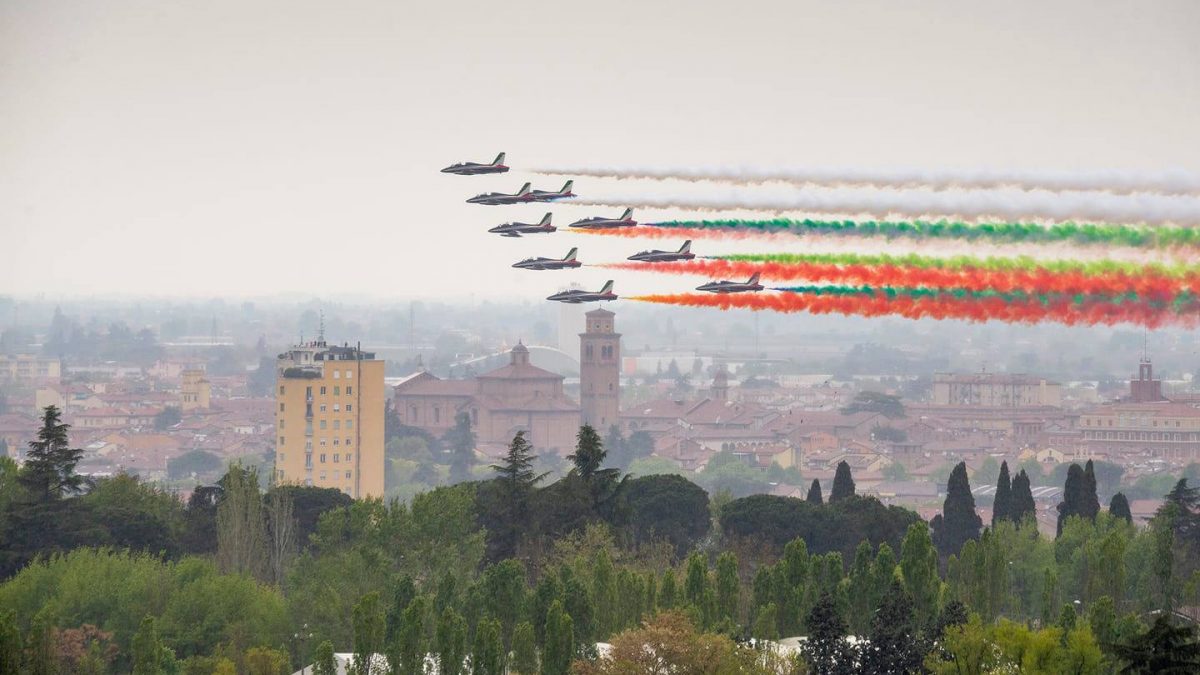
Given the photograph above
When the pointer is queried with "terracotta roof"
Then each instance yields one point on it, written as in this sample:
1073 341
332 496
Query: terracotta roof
520 371
434 386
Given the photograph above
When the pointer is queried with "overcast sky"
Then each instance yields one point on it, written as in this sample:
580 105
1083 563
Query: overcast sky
234 147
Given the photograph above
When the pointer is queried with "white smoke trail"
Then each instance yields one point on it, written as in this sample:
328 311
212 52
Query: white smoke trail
1168 182
973 205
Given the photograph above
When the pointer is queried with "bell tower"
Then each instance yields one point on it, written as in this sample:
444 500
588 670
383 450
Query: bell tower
600 371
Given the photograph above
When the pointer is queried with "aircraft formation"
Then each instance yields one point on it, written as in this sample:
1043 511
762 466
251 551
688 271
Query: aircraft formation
526 195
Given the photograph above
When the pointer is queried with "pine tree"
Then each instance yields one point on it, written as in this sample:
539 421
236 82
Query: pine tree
814 493
323 660
958 522
524 647
1002 507
843 483
517 481
451 642
1091 500
147 650
1074 501
1119 507
894 646
1163 648
826 650
516 470
49 469
1022 505
589 452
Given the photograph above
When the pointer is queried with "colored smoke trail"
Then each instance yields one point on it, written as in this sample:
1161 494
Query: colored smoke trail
1001 232
1033 280
1171 182
970 262
994 205
878 302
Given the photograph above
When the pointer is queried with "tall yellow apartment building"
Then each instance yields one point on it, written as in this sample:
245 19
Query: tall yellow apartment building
329 419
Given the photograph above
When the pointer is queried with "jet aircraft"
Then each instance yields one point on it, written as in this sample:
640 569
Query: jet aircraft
654 256
474 168
549 196
732 286
515 229
498 198
626 220
576 297
550 263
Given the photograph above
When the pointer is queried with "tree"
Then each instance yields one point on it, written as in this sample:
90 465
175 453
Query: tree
193 463
589 452
670 643
1119 508
888 405
10 644
281 529
39 648
560 644
242 545
727 588
1091 501
1022 505
508 508
668 507
368 633
826 649
460 439
169 417
958 522
1002 507
451 642
843 483
919 567
266 661
1163 648
1075 500
323 661
814 493
406 652
147 650
894 646
49 469
524 649
488 656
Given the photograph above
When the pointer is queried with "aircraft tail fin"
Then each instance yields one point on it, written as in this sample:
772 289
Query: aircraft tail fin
753 279
608 286
567 186
687 247
571 255
499 159
524 189
627 215
546 218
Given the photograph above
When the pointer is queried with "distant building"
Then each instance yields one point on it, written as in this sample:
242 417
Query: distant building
1145 389
995 390
329 419
194 390
28 367
600 371
1167 430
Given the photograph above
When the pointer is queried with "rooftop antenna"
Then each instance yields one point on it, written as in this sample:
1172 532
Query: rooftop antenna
1146 343
321 326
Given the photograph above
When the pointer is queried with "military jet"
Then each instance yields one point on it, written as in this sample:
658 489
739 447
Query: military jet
498 198
626 220
515 229
550 263
732 286
576 297
548 196
474 168
654 256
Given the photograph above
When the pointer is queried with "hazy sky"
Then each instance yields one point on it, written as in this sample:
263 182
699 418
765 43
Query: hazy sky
255 147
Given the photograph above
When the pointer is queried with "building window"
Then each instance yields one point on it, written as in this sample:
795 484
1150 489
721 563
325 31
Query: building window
308 392
347 475
348 443
335 441
322 391
280 407
337 424
336 374
348 456
322 407
587 351
281 457
412 413
322 475
281 440
281 390
337 391
348 406
322 442
437 415
336 458
323 423
349 424
349 374
349 391
337 407
322 458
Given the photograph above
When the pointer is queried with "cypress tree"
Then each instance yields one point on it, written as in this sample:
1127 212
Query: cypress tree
843 483
1022 505
1119 507
1002 507
1091 500
451 641
893 647
1074 499
814 493
958 523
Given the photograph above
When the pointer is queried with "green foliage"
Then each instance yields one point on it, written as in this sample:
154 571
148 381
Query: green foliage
1119 508
323 659
49 469
894 645
460 439
193 463
814 493
1002 504
1022 506
826 649
589 452
958 522
919 567
669 507
368 632
451 642
888 405
488 656
524 650
1164 648
843 483
147 650
560 642
169 417
11 647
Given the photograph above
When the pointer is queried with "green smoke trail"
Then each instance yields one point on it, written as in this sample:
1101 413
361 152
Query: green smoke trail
961 262
1180 301
1134 236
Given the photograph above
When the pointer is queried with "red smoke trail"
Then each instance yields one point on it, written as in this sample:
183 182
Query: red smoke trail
966 309
1148 285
